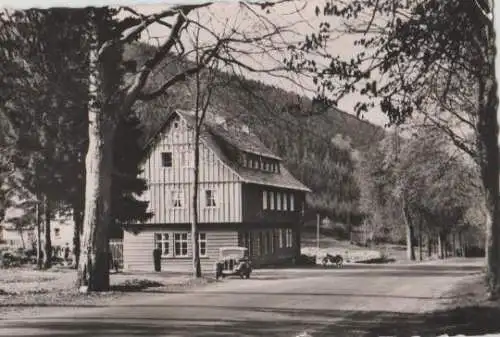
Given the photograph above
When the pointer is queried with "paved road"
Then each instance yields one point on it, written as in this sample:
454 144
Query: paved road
357 300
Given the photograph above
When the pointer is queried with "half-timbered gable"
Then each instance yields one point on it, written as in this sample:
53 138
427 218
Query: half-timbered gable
168 170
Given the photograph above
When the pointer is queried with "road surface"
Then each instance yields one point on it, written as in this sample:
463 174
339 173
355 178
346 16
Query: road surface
354 301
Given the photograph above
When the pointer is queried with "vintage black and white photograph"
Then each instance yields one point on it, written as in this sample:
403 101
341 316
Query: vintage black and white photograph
291 168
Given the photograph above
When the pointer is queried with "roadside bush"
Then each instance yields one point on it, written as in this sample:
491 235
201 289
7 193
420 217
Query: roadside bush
306 260
10 259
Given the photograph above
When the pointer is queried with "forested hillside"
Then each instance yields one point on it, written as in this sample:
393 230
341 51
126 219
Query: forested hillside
317 146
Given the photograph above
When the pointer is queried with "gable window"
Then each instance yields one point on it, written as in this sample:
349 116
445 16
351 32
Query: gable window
177 199
292 202
181 244
202 244
210 197
278 201
166 159
162 242
271 199
264 199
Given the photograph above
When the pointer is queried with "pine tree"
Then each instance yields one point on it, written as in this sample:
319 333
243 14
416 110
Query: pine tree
126 186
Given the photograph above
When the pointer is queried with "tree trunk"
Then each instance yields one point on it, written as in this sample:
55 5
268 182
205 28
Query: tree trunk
440 246
489 156
77 232
460 244
453 245
194 203
93 269
429 246
410 252
47 244
21 231
39 260
420 254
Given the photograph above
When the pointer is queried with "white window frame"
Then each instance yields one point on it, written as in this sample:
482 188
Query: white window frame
258 242
200 241
180 238
271 200
213 194
177 195
278 201
285 201
264 200
289 238
292 202
163 241
265 242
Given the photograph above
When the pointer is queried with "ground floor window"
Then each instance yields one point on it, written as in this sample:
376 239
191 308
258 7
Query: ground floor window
162 242
181 244
289 237
174 244
280 238
271 241
202 242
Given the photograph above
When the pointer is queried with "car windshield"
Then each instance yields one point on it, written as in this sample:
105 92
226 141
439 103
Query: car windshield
234 252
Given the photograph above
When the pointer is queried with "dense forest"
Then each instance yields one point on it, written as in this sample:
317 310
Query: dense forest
318 146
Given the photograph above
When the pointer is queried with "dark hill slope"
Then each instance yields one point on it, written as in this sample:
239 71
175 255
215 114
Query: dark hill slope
283 121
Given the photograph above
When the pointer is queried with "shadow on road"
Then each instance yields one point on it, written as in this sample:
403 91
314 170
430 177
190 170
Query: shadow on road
468 320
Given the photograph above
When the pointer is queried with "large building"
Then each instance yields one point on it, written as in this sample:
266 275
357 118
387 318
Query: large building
246 197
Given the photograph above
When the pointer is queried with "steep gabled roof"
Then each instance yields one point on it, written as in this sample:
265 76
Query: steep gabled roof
227 141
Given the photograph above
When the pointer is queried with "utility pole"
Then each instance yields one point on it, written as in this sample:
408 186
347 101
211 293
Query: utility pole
38 236
317 234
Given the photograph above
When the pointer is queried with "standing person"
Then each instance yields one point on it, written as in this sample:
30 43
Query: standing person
66 252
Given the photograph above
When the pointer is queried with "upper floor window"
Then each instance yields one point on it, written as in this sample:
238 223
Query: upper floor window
271 199
264 199
292 202
57 232
285 201
278 201
210 198
166 159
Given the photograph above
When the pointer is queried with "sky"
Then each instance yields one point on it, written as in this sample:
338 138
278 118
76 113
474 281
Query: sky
302 22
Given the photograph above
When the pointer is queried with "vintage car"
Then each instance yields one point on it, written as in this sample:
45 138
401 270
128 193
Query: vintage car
233 261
